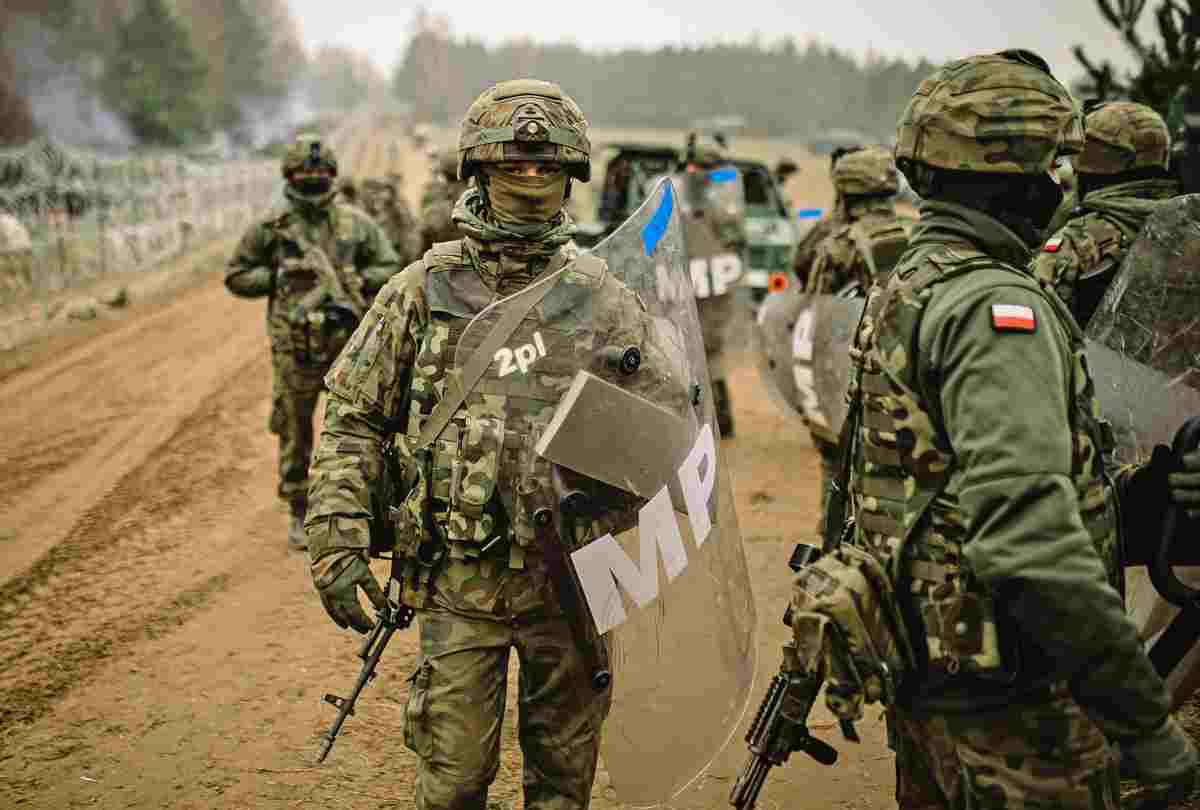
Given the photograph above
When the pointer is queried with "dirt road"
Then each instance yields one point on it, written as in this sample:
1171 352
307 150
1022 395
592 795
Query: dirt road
159 647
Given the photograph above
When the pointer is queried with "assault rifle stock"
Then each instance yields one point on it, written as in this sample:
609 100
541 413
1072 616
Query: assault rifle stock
779 728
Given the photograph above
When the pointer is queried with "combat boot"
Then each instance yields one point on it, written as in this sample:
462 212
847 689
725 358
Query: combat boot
297 541
723 408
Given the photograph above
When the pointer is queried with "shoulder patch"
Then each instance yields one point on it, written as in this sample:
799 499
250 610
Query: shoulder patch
1052 245
1013 318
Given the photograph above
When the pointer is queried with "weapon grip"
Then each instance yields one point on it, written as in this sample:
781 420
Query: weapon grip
1162 575
821 751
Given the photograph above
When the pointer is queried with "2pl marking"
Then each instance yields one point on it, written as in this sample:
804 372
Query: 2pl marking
521 358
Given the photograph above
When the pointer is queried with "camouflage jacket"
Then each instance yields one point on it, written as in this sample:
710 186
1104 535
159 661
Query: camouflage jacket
437 208
839 259
356 247
1079 260
806 251
979 481
389 380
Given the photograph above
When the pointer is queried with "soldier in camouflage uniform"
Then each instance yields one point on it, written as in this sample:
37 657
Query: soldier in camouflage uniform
977 477
706 222
1123 176
319 263
438 200
484 584
381 199
864 243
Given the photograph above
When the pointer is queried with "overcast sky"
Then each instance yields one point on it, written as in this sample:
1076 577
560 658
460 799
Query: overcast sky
937 29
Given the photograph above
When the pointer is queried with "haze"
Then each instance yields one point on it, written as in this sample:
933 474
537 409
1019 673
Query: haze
935 29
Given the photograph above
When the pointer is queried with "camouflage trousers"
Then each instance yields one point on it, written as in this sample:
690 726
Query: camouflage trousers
295 390
455 711
1045 754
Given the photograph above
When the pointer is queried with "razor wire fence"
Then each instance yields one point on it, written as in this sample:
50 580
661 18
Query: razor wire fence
68 216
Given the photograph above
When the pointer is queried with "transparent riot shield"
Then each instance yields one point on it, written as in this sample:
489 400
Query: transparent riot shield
1144 353
804 355
713 212
603 364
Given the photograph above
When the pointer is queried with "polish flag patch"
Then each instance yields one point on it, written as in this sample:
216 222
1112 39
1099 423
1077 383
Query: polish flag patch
1053 245
1013 318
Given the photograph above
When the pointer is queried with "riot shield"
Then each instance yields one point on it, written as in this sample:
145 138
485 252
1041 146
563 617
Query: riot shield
804 355
630 430
1144 353
713 212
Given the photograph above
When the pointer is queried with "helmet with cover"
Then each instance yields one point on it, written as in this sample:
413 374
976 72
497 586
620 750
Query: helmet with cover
309 153
1123 136
866 171
525 119
1001 113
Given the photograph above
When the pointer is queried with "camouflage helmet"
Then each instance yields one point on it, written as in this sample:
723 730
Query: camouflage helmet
869 170
309 151
999 113
1123 136
525 119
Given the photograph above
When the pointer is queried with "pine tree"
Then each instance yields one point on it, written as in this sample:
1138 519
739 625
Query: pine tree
1163 68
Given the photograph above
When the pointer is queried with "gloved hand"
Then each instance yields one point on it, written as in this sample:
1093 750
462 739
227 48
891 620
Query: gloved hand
1184 483
1165 761
338 576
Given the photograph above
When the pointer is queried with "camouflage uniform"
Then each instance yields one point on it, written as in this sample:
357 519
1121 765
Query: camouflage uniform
1124 167
712 228
438 199
490 590
998 521
277 259
865 181
382 200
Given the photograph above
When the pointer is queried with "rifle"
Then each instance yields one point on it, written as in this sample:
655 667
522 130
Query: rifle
329 285
395 616
780 727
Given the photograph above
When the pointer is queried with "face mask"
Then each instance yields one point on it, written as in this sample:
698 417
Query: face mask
521 200
314 185
1045 196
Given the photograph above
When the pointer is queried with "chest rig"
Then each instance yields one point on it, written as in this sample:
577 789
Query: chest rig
467 484
312 314
881 241
902 487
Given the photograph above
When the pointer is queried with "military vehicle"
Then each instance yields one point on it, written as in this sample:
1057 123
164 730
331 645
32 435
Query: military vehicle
629 174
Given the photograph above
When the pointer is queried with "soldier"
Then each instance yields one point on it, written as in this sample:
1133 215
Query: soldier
438 200
865 241
348 189
1122 175
319 263
871 234
976 476
474 566
381 199
715 233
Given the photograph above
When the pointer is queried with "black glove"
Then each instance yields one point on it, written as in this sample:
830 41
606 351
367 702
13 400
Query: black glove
1164 761
338 576
1183 483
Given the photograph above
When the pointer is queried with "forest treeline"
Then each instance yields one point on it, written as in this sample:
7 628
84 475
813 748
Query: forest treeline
165 72
780 88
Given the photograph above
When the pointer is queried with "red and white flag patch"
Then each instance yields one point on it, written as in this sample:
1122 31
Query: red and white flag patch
1052 245
1013 318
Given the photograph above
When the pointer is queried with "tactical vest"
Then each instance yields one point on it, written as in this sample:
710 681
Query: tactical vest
881 241
474 492
311 319
903 463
